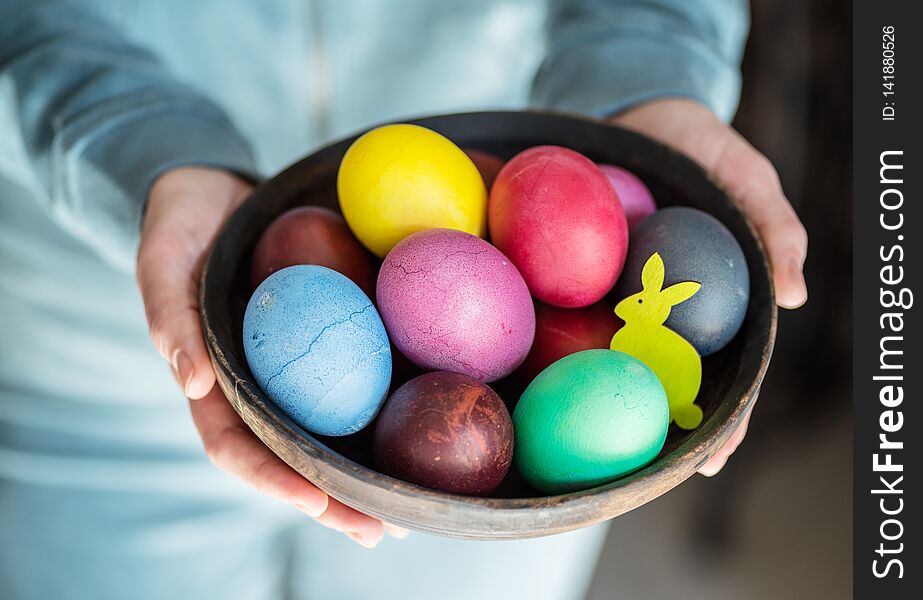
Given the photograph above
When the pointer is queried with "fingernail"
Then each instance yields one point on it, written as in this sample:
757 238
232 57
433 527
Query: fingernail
360 540
184 370
371 536
710 469
315 509
796 274
398 533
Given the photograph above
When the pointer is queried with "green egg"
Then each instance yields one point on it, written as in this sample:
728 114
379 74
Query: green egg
589 419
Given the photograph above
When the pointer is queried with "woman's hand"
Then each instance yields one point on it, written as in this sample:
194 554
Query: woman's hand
751 181
186 207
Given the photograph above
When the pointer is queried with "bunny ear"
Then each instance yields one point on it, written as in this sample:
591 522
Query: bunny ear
680 292
652 273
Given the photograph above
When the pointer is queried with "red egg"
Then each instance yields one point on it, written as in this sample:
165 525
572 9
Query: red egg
445 431
555 215
560 332
488 165
312 235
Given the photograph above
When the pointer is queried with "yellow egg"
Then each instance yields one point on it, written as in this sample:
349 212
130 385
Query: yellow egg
399 179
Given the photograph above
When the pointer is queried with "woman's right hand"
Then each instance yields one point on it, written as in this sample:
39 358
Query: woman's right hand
186 207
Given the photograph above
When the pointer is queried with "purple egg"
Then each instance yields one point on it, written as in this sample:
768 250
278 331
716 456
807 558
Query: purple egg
450 301
637 201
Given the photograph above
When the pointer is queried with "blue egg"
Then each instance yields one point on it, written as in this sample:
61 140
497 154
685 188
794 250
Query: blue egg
318 348
694 246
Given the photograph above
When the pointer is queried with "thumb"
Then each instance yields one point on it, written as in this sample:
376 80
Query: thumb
754 184
166 276
186 207
747 176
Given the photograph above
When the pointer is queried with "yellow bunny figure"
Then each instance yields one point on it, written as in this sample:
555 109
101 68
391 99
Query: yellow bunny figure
674 360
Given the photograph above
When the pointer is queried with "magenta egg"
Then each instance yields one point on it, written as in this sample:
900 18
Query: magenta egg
637 201
450 301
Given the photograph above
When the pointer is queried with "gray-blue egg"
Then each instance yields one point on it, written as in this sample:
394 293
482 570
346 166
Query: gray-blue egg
317 347
694 246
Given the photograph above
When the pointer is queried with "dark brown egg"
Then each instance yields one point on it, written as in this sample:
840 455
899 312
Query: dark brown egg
311 235
488 165
445 431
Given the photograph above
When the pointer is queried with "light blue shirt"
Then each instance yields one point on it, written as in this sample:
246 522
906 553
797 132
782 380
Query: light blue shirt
97 98
104 487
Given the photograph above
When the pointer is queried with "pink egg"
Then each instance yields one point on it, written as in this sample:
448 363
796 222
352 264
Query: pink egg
556 216
451 301
637 201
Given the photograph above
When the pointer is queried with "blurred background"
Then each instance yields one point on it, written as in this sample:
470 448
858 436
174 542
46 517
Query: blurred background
777 521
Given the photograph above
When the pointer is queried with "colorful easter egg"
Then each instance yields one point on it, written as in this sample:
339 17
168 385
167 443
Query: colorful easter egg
399 179
312 235
557 217
445 431
318 349
589 419
560 332
637 201
694 246
451 301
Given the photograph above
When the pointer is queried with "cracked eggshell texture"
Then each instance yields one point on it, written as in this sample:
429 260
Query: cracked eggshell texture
399 179
446 431
589 419
318 348
694 246
451 301
555 214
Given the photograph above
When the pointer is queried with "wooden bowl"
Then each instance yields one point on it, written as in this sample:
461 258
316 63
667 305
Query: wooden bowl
342 466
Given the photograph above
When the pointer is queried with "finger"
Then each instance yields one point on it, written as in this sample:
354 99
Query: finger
233 448
185 211
170 301
747 175
361 528
753 183
169 263
398 533
717 462
713 466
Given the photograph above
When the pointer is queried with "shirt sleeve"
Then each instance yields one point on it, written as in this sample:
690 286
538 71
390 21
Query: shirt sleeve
607 55
101 119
